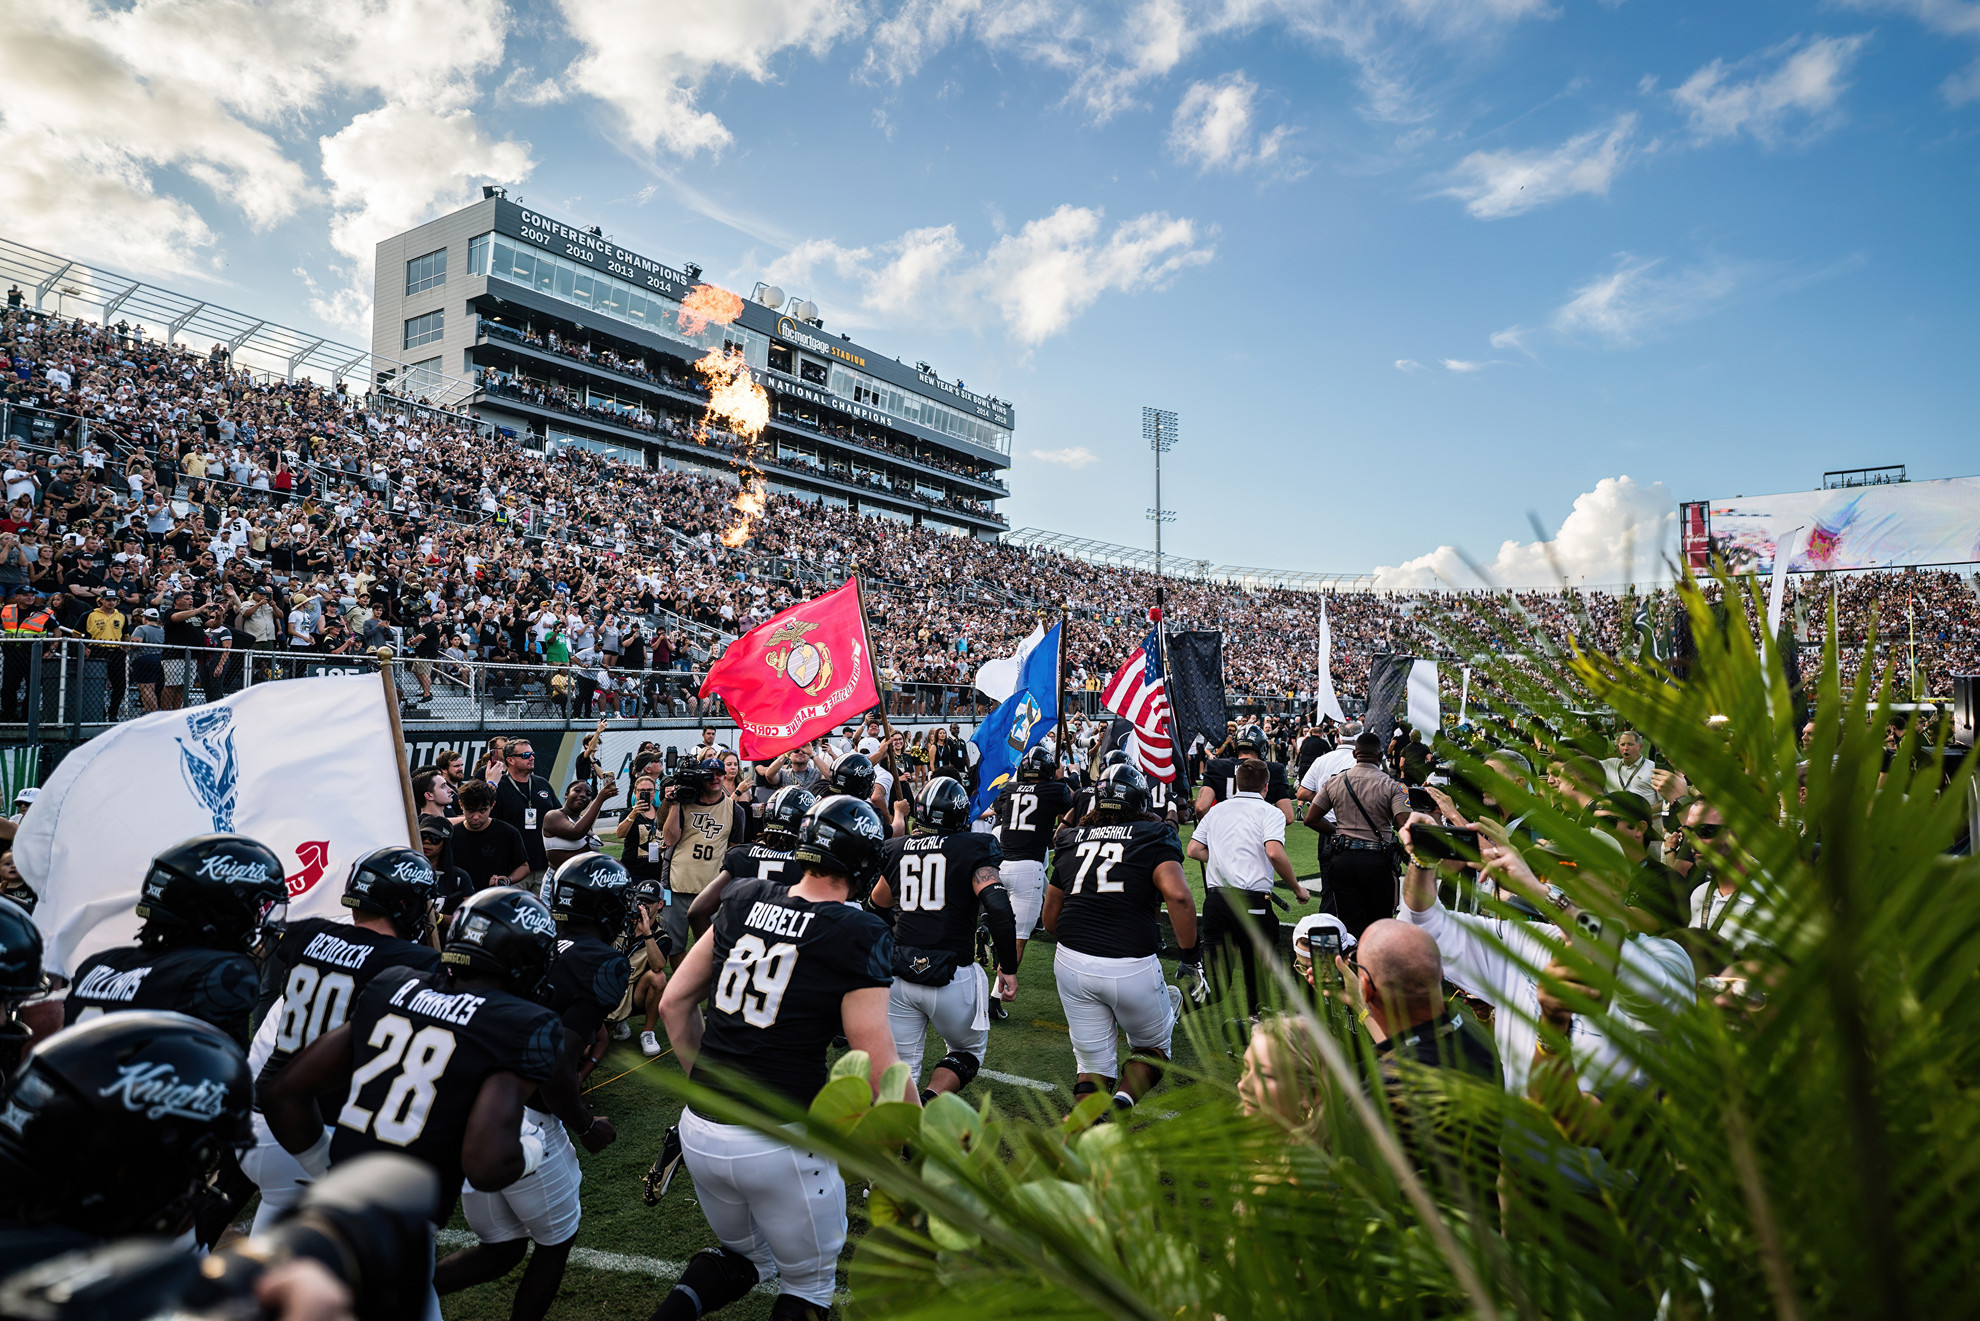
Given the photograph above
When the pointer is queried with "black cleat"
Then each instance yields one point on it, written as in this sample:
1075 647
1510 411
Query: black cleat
663 1169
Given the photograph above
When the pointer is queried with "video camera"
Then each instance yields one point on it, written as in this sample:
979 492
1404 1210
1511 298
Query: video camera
367 1223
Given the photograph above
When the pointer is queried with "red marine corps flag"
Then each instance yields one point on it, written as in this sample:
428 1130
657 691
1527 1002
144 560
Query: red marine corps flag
798 674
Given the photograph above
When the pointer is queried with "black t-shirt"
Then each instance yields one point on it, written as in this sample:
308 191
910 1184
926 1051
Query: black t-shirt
214 986
496 851
513 802
782 967
421 1051
1221 778
932 877
1108 874
1027 815
314 975
760 862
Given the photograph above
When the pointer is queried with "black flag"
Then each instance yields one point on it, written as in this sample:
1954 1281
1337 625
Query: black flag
1388 694
1196 691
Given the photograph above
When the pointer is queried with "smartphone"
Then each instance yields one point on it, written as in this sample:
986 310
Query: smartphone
1447 843
1605 937
1421 801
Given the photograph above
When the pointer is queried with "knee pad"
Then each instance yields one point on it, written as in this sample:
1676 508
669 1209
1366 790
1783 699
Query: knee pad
961 1063
790 1307
717 1277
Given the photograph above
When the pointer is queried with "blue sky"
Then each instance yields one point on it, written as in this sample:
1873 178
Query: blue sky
1408 271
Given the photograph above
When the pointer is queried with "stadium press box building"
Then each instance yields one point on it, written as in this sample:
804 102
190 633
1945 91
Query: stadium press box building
569 339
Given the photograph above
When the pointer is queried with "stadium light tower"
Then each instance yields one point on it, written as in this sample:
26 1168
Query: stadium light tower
1159 429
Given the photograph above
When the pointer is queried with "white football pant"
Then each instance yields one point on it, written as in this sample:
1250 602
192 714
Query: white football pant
1105 997
782 1207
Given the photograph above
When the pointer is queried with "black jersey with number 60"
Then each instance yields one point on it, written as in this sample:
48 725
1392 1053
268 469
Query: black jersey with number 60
421 1050
760 862
1221 778
933 880
313 979
1108 874
782 967
1026 816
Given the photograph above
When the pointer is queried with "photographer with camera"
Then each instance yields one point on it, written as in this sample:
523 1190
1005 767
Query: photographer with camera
699 824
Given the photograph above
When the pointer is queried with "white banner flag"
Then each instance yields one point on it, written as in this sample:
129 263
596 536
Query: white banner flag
1784 551
997 678
1424 710
1329 702
309 767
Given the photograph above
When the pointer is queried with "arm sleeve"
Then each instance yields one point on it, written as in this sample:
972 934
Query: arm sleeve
1002 921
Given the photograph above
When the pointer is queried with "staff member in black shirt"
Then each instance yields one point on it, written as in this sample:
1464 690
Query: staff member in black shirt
490 851
523 799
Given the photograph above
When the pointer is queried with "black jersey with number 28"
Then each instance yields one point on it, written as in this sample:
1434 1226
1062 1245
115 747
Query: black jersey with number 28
760 862
1108 874
933 880
1027 814
782 967
421 1051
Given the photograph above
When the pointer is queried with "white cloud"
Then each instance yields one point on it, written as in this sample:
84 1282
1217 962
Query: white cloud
1037 281
1462 367
650 63
1077 457
1408 365
1619 532
1952 18
1496 184
1804 86
1215 127
1512 337
1636 299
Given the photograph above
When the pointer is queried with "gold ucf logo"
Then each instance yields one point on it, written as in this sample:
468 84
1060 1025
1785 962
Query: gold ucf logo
707 823
806 664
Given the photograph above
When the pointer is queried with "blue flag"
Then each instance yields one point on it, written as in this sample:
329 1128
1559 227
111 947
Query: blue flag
1023 719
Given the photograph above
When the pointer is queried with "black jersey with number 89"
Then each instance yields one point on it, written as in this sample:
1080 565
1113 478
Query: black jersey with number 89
782 967
934 885
1108 874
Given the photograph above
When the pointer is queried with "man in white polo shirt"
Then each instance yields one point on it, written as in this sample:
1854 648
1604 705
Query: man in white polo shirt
1241 843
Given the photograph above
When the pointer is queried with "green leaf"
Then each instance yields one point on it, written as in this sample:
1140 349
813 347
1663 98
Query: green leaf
949 1124
842 1101
853 1064
894 1083
888 1126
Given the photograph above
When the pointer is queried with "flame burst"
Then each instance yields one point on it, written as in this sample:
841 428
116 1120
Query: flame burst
706 305
737 403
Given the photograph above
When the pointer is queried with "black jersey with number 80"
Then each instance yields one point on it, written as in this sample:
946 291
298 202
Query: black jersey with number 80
1108 874
782 967
1026 816
933 878
314 977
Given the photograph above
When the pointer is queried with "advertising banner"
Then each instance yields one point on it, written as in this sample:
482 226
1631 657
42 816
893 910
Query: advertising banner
1856 527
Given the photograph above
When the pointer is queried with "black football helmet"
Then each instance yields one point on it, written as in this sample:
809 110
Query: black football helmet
594 888
783 814
1118 757
1252 739
216 891
505 933
842 834
943 806
853 776
396 883
1035 766
20 956
114 1125
1122 789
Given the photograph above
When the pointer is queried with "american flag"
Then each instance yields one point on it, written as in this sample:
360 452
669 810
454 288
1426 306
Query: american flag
1138 695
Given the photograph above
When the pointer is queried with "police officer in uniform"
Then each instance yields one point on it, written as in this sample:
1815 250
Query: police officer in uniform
592 902
937 880
1220 776
786 969
437 1064
315 974
204 905
1110 874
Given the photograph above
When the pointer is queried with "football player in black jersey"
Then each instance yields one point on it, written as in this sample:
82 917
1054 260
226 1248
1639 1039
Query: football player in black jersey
1028 815
1083 798
114 1127
205 903
1110 873
1220 776
20 978
855 777
786 969
437 1064
315 973
767 859
937 880
591 898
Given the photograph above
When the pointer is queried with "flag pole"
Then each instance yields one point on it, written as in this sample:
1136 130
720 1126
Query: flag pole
399 750
873 666
1059 738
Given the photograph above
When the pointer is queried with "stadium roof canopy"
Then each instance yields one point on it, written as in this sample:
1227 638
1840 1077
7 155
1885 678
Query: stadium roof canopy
1133 557
71 288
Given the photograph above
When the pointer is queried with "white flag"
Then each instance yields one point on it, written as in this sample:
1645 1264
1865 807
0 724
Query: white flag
1785 549
1424 710
309 767
997 679
1329 702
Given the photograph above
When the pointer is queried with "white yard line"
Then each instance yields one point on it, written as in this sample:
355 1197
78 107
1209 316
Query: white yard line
618 1262
1016 1081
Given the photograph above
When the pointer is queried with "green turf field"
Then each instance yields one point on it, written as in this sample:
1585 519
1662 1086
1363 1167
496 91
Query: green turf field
634 1249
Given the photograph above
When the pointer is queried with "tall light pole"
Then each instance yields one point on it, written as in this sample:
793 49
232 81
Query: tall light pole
1158 427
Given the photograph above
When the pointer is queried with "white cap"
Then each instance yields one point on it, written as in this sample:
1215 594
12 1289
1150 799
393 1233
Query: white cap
869 746
1314 922
27 795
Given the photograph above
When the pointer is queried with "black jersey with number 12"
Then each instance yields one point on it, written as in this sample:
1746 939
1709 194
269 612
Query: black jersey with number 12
933 880
782 967
1108 874
1026 816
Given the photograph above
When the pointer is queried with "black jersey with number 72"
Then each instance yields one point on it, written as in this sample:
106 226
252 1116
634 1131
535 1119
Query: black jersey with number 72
1108 874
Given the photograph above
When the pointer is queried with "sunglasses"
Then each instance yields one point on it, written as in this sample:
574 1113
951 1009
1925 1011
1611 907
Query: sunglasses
1707 829
522 756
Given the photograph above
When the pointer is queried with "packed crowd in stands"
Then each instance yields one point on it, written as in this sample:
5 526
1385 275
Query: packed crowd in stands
157 494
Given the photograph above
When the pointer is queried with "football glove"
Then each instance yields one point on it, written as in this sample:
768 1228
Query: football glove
1194 986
